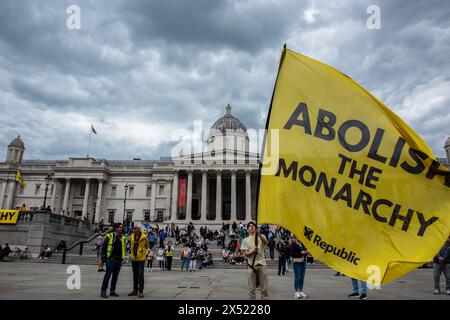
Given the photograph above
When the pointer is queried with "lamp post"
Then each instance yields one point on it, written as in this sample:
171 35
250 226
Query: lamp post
95 208
125 201
48 179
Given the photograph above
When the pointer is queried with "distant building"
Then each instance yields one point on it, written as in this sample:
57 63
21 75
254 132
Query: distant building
213 187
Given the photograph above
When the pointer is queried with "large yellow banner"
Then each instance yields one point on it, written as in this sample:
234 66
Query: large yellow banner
9 216
348 177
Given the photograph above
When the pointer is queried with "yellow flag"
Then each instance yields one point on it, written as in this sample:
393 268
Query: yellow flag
348 177
19 179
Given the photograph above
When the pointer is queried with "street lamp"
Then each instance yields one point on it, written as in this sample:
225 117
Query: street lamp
95 208
48 179
125 201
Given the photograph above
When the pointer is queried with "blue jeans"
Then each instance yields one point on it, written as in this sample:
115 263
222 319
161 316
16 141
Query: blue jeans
356 288
185 262
112 268
299 275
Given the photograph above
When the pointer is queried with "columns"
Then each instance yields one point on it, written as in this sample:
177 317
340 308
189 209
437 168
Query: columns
55 190
153 202
2 194
248 195
203 199
233 196
98 206
12 189
189 196
86 198
218 196
173 215
66 195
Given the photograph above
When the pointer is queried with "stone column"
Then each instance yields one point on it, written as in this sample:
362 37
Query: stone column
12 189
98 206
218 196
2 194
55 190
86 198
189 197
66 195
204 194
233 196
248 195
153 202
173 215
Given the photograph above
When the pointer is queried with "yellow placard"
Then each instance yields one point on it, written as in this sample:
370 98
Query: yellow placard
348 177
9 216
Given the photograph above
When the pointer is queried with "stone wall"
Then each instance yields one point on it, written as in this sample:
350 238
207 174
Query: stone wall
45 228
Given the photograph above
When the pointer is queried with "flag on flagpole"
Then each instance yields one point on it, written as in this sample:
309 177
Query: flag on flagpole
93 129
348 177
19 179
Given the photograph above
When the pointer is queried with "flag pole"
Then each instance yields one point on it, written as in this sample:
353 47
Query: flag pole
89 144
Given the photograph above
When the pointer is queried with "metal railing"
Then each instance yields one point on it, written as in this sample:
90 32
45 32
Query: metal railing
81 244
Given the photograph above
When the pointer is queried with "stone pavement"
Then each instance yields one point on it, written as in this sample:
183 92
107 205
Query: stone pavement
48 281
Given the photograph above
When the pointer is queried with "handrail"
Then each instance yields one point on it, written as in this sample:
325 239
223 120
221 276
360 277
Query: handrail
81 243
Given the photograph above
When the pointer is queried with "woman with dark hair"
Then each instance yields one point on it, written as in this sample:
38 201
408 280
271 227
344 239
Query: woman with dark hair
169 255
299 254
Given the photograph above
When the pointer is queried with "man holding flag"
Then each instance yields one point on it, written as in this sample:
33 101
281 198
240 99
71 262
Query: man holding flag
253 248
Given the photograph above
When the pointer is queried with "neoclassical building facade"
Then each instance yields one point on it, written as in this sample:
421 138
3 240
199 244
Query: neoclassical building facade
209 188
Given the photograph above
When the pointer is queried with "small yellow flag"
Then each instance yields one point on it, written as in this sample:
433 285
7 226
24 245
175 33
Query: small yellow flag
348 177
20 180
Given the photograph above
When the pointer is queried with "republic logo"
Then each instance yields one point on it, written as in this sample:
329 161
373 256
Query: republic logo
308 233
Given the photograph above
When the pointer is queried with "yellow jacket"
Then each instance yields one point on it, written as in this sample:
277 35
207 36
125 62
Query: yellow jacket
143 245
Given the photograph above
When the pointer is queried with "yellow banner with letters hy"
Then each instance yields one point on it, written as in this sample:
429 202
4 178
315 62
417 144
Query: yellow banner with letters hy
348 177
9 216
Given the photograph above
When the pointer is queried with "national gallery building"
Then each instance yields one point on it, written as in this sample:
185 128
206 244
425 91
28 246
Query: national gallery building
208 188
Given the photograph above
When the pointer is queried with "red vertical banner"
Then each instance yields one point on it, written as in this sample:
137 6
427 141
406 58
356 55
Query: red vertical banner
182 185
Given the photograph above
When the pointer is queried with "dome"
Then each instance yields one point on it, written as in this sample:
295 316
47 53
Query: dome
17 142
228 122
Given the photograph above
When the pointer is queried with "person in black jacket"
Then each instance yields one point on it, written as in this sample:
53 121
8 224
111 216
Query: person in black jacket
282 255
441 264
299 254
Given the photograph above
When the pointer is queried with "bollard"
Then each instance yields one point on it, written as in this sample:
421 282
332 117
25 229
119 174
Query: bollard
81 248
64 257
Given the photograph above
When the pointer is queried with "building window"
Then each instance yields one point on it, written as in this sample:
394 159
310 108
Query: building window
111 214
146 215
149 191
82 190
37 190
129 215
130 191
161 190
160 216
113 191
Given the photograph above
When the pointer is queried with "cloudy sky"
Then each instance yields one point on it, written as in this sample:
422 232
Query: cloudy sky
141 71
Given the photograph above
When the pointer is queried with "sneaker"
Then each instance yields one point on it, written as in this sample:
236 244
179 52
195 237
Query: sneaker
363 296
297 295
303 295
113 294
132 293
141 295
148 269
103 295
337 274
436 291
447 292
353 294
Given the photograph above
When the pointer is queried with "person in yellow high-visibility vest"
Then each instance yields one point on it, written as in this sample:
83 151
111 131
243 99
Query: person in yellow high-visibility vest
113 251
138 254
